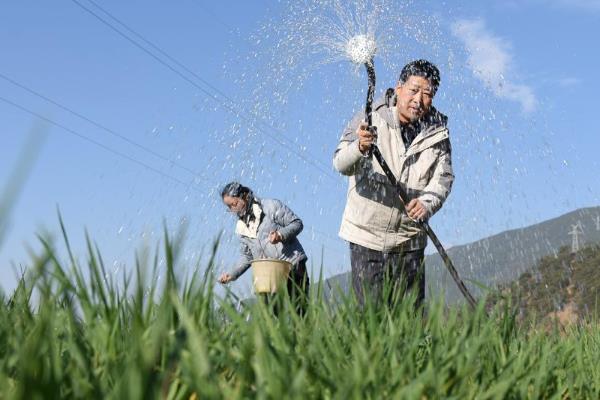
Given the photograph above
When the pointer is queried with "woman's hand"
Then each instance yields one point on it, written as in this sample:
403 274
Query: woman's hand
225 278
275 237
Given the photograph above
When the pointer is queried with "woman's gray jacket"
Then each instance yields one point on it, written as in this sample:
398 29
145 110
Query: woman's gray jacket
274 216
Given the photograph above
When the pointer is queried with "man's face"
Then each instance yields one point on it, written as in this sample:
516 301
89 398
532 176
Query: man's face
414 98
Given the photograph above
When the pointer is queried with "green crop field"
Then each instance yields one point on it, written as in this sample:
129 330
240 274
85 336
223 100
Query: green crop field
70 331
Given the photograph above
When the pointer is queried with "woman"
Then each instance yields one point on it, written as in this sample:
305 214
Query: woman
267 229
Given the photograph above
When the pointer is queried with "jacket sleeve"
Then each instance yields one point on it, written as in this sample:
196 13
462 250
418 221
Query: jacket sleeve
243 262
347 156
291 224
440 184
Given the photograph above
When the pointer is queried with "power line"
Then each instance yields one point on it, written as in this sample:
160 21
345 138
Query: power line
226 105
116 134
214 15
103 127
118 153
100 126
95 142
112 132
194 74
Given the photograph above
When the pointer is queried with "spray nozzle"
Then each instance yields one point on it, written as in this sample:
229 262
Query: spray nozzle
361 49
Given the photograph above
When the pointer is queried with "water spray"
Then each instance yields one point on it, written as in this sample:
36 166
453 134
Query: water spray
361 50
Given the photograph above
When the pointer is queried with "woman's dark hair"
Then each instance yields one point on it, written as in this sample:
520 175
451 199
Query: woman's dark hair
424 69
235 189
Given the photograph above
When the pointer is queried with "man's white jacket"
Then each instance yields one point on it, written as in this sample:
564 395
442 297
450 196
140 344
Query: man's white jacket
374 216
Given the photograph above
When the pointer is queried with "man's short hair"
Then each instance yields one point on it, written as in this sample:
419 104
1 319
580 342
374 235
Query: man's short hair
422 68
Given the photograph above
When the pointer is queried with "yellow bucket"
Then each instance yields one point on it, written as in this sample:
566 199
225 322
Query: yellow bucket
270 275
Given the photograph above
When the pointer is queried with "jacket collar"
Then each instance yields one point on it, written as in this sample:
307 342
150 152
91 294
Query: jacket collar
385 106
427 139
432 127
251 229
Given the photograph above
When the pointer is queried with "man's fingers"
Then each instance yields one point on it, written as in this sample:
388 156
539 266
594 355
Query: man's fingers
366 137
416 210
365 134
416 215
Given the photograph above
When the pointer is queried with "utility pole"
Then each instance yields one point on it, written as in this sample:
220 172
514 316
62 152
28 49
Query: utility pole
598 222
576 230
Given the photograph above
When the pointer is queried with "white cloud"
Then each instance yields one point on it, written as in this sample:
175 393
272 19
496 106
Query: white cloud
491 60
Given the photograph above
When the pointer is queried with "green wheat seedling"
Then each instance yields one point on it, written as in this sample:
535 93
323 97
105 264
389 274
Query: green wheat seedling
70 330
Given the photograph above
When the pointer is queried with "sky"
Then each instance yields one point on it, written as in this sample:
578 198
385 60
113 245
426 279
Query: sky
129 118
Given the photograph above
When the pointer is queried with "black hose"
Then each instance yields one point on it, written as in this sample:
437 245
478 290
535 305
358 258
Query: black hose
371 92
402 193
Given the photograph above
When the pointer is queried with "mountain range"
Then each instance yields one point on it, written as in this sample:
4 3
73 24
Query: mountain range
502 257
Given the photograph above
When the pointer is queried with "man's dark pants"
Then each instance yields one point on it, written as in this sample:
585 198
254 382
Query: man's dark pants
403 271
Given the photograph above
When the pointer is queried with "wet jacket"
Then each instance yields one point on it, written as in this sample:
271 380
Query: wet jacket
373 217
274 216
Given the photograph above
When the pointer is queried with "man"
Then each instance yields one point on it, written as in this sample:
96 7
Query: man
385 241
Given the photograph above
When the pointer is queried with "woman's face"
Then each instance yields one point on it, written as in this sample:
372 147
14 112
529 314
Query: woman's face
235 204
